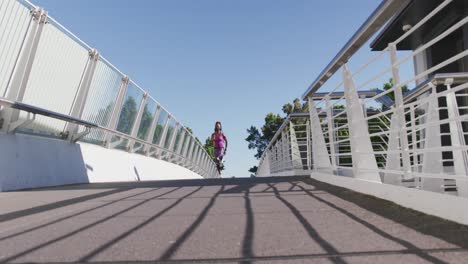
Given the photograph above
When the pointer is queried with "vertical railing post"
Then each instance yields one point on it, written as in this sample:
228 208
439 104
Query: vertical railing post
364 162
460 159
82 93
199 157
432 157
284 151
274 159
200 160
192 153
163 137
296 158
331 133
319 148
189 153
19 79
137 122
205 163
114 119
173 139
309 156
178 151
149 137
195 158
393 152
400 111
186 148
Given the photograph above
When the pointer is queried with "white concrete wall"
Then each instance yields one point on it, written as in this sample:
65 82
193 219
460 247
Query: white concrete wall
30 162
104 165
442 205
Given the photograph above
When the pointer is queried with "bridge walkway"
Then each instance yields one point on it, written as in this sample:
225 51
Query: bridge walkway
249 220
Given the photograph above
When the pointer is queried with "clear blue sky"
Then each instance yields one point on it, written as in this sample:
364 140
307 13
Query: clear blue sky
208 60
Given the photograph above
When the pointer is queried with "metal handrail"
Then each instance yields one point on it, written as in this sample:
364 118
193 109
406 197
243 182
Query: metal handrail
44 112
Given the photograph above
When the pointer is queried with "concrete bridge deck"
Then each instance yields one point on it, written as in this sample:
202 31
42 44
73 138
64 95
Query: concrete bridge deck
267 220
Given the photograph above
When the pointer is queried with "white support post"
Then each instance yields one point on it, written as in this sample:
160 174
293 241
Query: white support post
414 139
309 156
199 156
202 161
197 160
331 133
149 137
196 157
114 119
393 155
284 154
186 148
189 154
286 151
289 153
183 135
205 162
270 163
460 159
163 137
193 158
319 148
173 138
400 112
295 153
274 159
82 93
277 156
19 79
432 160
364 163
178 151
137 122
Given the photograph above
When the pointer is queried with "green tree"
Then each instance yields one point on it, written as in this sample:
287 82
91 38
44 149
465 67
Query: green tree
295 107
209 147
127 115
253 170
258 139
389 85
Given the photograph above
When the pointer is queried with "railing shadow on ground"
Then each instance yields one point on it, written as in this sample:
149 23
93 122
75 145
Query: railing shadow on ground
426 224
118 187
429 225
411 247
325 245
107 218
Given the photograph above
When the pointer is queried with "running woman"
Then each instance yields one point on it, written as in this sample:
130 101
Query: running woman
220 144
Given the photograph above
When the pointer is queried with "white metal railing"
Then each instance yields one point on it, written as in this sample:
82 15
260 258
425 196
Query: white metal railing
45 66
418 141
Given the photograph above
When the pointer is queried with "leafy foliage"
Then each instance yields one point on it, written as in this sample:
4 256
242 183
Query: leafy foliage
389 85
127 115
258 139
209 147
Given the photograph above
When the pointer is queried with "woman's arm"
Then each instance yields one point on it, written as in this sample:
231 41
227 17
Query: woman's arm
225 140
